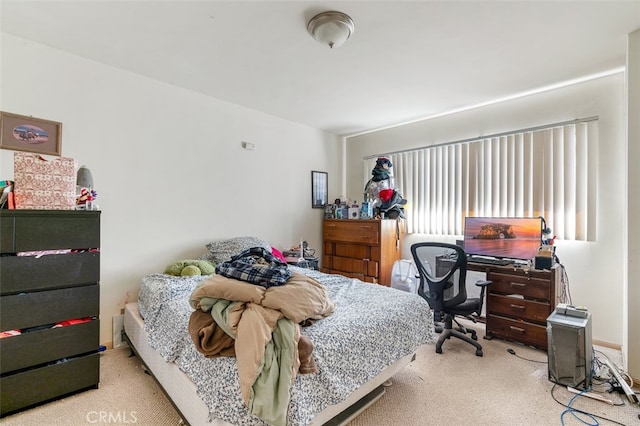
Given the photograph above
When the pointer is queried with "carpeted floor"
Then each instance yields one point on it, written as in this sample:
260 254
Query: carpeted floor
455 387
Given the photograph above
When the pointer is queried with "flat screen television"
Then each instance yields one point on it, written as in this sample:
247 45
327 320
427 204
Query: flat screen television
503 237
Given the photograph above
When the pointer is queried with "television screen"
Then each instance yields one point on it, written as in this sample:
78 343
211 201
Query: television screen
503 237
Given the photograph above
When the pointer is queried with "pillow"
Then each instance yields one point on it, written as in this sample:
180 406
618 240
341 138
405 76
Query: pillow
222 251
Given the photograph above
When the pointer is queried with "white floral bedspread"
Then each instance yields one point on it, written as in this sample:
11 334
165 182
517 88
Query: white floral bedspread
372 327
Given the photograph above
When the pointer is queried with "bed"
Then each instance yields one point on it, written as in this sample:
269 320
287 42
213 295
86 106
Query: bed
372 334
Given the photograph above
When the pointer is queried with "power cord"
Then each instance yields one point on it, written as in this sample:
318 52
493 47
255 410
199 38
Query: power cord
573 412
572 409
565 296
512 352
569 408
609 379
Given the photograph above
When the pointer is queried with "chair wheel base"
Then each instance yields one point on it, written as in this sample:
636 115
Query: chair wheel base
479 352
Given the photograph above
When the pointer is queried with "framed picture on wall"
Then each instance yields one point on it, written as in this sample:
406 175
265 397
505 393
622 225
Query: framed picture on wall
22 133
319 189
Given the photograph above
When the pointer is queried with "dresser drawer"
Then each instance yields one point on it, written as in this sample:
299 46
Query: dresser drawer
43 346
30 230
42 384
518 308
37 308
533 288
519 331
358 251
7 234
351 231
29 273
356 266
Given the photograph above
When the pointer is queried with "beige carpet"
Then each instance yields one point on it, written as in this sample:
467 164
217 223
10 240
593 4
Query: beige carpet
455 387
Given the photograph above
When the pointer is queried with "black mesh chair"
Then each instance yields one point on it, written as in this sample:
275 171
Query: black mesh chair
443 272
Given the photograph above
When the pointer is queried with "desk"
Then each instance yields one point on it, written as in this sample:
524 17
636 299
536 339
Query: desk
519 301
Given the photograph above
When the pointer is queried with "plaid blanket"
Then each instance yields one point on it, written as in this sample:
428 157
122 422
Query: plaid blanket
256 266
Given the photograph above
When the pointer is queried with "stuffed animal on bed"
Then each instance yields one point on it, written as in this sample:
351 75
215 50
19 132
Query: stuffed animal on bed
190 267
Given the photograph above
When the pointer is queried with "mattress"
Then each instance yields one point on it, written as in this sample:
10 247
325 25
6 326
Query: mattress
373 333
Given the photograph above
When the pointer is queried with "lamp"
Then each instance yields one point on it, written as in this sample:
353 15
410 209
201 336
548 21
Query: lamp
332 28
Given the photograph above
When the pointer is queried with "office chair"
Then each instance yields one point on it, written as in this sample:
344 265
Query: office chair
443 272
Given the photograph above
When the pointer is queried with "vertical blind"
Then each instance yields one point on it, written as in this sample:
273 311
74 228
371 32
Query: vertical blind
548 172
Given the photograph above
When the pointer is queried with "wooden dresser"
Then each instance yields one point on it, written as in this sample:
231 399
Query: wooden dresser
519 302
37 293
361 248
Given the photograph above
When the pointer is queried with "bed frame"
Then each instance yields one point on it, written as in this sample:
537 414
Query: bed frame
182 392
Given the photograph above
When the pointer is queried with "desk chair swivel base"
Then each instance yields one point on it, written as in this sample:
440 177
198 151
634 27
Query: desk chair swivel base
460 332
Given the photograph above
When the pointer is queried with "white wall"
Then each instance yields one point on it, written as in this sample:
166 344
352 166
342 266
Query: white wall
595 269
168 165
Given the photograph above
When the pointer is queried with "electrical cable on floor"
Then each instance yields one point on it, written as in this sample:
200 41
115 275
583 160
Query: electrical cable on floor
596 363
580 411
624 373
573 412
569 408
610 379
512 352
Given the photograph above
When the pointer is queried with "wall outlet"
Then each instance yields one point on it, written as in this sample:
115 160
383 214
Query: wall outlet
118 330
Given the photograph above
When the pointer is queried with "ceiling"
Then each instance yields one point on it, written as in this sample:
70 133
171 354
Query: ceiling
406 59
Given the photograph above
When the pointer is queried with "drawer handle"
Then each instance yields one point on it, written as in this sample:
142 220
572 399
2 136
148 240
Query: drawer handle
365 226
366 237
518 329
521 285
331 226
517 307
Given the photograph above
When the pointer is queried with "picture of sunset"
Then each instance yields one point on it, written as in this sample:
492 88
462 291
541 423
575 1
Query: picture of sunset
513 238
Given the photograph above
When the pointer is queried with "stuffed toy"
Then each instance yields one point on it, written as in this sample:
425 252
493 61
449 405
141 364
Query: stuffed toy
190 267
380 190
85 199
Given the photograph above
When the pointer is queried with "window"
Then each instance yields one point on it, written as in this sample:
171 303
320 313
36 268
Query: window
548 172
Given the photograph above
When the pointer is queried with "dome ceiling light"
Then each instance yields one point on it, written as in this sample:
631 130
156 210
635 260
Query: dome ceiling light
331 28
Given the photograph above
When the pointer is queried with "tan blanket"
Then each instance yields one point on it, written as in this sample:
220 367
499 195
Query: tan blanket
248 321
212 341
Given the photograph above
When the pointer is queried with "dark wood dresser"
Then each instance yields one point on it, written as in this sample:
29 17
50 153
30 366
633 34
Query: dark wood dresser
41 296
361 248
519 302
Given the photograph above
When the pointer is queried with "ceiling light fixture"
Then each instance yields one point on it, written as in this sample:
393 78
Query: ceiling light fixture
332 28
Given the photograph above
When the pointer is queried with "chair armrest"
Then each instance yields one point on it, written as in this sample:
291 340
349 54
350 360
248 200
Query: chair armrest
483 283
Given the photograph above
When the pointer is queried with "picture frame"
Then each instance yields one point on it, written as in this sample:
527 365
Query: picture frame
30 134
319 189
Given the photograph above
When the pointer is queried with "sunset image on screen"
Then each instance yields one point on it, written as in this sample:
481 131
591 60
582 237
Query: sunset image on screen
516 238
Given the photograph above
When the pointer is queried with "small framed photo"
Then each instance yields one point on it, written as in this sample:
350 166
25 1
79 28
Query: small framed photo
319 189
22 133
